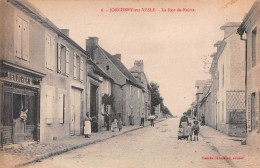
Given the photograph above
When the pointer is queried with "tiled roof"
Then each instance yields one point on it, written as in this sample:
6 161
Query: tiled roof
122 68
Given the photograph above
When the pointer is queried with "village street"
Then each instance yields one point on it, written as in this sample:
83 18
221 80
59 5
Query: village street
152 147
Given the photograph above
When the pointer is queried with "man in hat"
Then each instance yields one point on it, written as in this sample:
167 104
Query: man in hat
196 129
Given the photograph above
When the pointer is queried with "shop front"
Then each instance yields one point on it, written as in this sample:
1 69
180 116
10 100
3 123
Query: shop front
20 105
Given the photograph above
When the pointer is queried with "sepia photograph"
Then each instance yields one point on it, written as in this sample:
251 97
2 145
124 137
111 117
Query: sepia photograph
129 84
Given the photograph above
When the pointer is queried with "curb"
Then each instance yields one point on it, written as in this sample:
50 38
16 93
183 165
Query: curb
79 146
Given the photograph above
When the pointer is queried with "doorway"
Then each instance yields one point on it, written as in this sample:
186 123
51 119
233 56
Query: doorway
75 111
93 108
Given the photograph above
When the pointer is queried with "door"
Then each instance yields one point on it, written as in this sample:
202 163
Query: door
75 111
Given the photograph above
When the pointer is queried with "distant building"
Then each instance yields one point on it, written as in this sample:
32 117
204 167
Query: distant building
231 82
250 26
127 91
138 72
199 84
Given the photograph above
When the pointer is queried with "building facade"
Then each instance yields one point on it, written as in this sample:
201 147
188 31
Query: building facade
44 72
138 72
250 28
231 86
126 90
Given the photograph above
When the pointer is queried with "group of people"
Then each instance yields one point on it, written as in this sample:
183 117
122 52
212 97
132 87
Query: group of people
186 130
115 123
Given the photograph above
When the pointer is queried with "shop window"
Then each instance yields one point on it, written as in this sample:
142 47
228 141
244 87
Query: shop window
21 39
49 52
254 35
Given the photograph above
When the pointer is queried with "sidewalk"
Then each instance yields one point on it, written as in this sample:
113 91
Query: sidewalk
227 146
23 154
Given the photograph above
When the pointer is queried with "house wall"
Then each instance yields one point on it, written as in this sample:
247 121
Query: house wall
253 79
52 129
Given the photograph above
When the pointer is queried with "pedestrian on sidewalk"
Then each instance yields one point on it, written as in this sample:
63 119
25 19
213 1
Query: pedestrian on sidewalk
87 127
180 132
114 125
190 132
196 129
184 123
119 122
151 118
142 120
107 119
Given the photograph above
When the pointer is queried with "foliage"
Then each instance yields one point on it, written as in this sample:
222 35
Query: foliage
165 109
107 99
156 98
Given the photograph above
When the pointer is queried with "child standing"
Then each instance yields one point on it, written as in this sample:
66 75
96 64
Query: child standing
180 132
114 125
196 129
190 132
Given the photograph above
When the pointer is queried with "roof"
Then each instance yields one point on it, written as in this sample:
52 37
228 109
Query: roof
242 27
30 10
122 68
200 84
100 71
230 24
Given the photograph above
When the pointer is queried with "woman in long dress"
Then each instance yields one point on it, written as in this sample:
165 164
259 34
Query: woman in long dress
87 128
184 123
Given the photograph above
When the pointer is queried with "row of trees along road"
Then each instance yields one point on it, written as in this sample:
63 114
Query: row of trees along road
156 99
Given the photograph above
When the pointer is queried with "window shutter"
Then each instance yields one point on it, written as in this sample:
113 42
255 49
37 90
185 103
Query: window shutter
67 62
49 105
249 112
18 37
61 108
25 41
75 66
58 58
52 54
257 111
47 51
81 69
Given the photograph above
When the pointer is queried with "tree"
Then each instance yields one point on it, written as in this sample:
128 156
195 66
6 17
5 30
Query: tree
165 109
156 98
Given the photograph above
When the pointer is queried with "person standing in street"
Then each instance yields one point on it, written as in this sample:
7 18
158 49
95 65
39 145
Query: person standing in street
142 120
107 118
196 129
87 127
190 132
152 118
114 125
184 123
119 123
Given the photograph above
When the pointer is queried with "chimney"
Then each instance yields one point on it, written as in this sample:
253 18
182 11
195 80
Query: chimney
118 56
65 31
140 65
91 43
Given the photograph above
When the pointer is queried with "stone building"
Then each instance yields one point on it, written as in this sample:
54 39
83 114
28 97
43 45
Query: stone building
99 83
250 28
199 84
138 72
231 84
126 90
43 71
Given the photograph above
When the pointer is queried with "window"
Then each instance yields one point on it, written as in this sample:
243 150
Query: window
223 75
222 111
61 108
63 60
107 67
254 33
78 67
253 125
21 38
49 104
131 90
138 93
49 52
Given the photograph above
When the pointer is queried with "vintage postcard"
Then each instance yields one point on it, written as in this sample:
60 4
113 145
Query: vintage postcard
129 83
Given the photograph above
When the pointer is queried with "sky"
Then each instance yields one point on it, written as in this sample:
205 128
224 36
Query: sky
172 45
